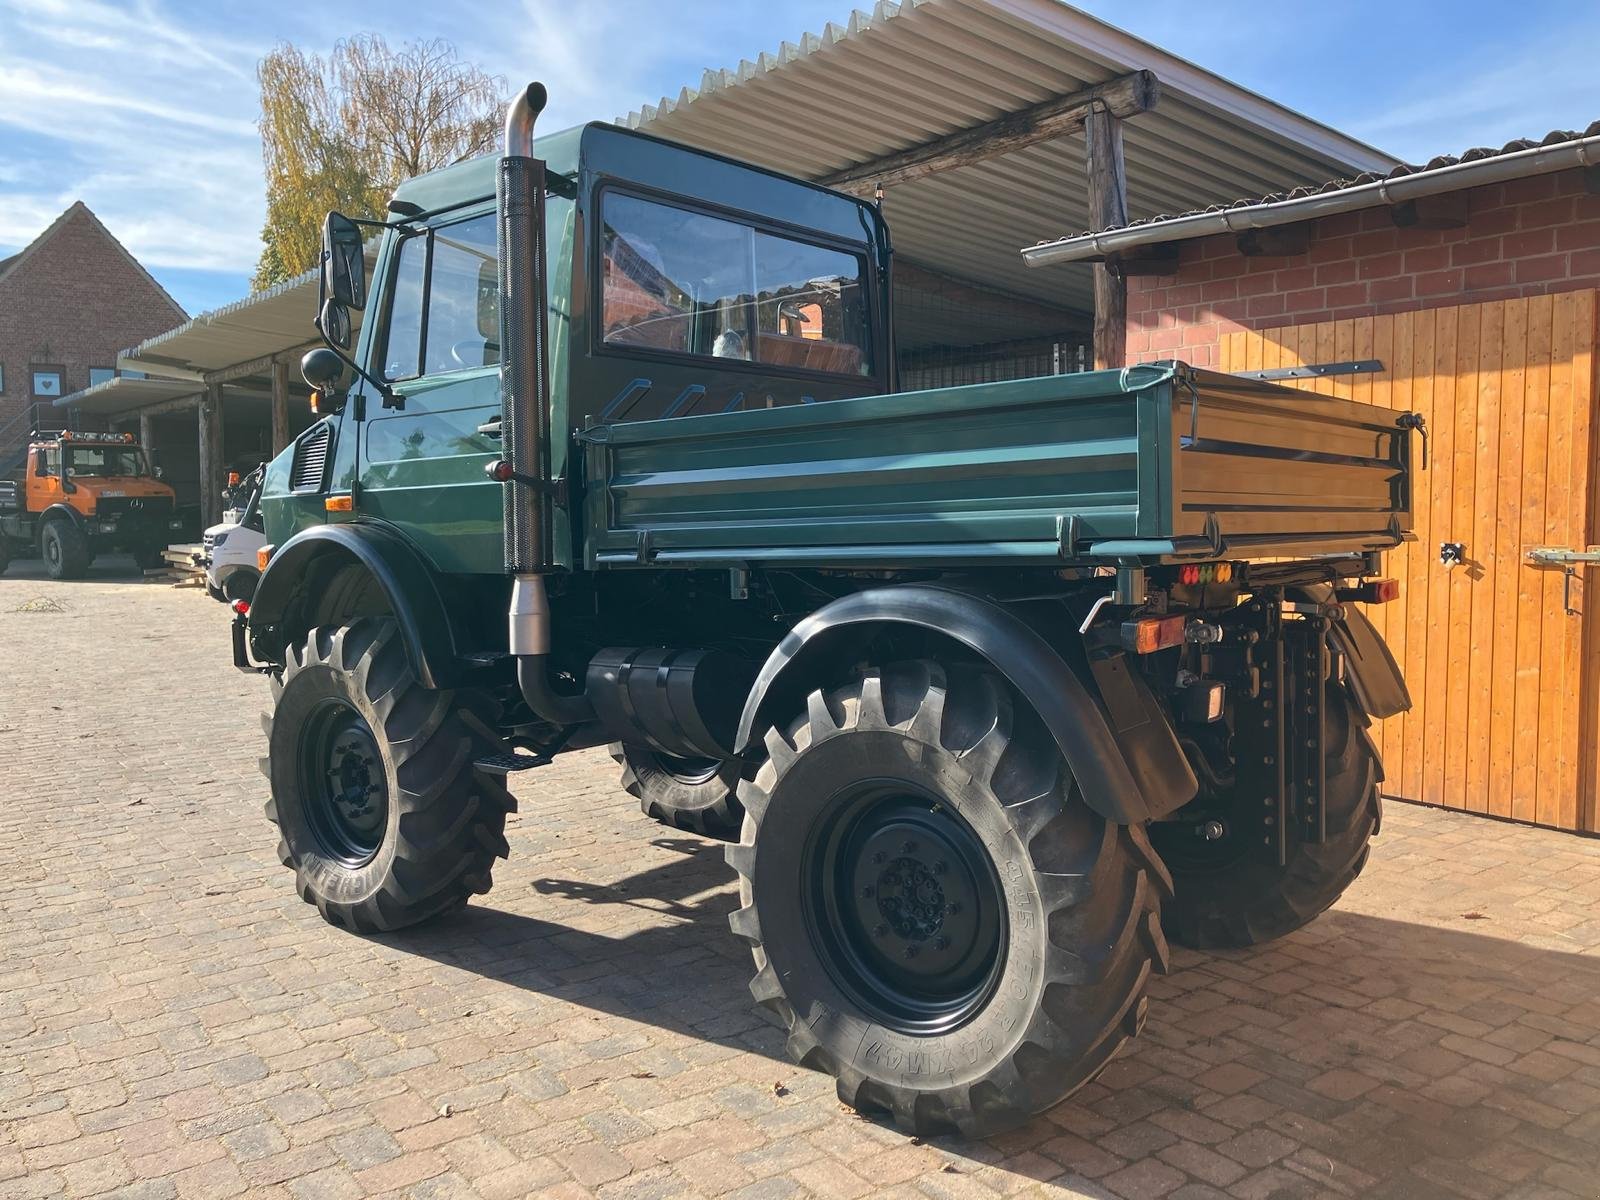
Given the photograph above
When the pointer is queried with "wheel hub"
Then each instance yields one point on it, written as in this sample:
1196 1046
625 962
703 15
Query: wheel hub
346 789
908 905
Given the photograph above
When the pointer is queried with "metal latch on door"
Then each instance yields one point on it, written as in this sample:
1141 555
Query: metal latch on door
1569 561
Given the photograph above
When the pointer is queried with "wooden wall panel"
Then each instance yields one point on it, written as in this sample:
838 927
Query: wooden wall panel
1505 684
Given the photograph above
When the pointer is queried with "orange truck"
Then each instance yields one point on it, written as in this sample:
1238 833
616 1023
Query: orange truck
78 495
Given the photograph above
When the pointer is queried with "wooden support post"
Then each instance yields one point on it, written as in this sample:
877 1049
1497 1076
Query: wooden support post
280 405
1108 209
211 456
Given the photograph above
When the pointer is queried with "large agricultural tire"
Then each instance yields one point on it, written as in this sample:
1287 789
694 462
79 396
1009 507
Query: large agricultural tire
695 795
382 816
64 548
937 918
1231 898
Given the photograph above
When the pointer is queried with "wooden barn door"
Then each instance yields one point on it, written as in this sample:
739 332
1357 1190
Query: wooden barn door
1505 681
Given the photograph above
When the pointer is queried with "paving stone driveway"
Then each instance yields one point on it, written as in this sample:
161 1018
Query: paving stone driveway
174 1021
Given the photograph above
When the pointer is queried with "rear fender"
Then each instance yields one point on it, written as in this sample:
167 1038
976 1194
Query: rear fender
285 595
1123 754
1374 677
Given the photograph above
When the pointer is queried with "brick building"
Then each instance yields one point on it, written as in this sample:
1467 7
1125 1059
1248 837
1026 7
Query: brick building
69 303
1464 290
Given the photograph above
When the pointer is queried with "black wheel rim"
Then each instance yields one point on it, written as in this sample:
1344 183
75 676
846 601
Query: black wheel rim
905 906
689 770
344 784
52 550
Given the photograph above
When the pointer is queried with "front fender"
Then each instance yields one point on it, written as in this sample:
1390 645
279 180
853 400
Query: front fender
61 510
1131 776
282 603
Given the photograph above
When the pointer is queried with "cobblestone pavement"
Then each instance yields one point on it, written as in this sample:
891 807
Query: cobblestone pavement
175 1022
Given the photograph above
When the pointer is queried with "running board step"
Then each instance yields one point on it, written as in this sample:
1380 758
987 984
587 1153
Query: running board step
509 764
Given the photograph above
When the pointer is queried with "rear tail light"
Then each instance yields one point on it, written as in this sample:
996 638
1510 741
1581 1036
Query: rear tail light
242 607
1197 573
1373 591
1153 633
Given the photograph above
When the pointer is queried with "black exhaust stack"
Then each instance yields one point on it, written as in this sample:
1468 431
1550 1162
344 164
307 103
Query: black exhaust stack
525 409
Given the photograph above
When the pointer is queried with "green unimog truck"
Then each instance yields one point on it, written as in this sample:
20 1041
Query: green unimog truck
992 690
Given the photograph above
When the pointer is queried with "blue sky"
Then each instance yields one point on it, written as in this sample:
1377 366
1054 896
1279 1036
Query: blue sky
146 109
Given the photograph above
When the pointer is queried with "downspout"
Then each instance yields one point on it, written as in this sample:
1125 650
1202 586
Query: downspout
525 411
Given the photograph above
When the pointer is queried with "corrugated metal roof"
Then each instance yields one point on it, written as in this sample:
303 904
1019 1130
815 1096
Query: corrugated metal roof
905 74
1341 183
268 322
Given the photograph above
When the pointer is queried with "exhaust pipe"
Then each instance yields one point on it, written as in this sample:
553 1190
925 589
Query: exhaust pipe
525 410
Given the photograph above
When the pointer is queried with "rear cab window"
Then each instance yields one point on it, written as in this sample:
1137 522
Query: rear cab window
685 282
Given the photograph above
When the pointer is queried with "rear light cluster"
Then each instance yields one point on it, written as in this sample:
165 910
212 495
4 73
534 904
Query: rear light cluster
1373 591
1153 633
1194 573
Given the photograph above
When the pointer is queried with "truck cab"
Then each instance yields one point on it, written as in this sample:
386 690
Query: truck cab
679 283
81 494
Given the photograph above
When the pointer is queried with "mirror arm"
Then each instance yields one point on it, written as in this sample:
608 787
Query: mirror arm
390 398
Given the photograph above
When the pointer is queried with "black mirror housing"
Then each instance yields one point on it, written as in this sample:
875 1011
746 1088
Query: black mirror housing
323 370
334 322
344 270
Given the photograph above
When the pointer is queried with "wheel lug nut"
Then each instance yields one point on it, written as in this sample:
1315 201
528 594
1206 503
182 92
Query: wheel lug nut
909 846
941 943
880 931
879 857
940 867
868 891
912 951
952 908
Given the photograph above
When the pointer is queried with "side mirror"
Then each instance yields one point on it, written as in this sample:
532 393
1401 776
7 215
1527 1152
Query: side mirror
344 271
334 323
159 472
322 370
489 301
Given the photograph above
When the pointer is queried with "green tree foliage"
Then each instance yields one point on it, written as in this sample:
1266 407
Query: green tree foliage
343 132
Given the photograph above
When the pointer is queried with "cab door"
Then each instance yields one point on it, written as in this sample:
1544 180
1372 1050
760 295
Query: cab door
44 478
421 460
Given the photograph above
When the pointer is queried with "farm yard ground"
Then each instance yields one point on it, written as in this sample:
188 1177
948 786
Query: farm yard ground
175 1022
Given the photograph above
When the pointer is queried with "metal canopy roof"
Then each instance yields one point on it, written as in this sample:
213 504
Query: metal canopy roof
909 73
267 323
122 397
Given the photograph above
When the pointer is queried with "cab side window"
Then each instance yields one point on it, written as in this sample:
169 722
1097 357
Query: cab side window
444 306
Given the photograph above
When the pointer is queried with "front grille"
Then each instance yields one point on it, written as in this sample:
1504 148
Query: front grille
136 507
209 542
310 464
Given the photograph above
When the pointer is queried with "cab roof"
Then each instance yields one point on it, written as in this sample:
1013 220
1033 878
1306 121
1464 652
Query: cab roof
474 178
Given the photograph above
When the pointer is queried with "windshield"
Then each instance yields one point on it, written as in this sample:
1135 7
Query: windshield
106 462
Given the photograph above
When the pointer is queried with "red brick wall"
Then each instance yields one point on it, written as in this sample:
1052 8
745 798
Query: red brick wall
1523 238
76 301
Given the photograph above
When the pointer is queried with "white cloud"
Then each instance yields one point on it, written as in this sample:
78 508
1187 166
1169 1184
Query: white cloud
150 123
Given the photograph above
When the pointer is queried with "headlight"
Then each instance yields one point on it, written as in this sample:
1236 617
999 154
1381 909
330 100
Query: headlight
108 526
218 538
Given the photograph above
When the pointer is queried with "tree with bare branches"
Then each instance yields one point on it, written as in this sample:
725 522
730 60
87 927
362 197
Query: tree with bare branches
343 132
